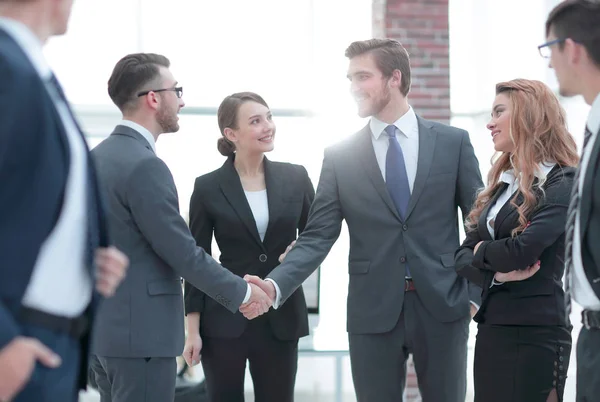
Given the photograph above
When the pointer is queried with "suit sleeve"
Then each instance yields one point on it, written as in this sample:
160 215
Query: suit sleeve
314 243
463 262
469 182
19 133
153 200
201 226
547 224
309 197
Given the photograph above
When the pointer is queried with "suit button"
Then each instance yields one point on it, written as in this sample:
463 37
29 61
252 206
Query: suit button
405 227
402 259
262 258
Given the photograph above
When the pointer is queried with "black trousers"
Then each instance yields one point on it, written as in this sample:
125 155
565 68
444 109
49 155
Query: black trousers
273 364
520 363
588 365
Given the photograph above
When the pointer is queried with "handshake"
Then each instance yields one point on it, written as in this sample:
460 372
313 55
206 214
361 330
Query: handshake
263 293
262 297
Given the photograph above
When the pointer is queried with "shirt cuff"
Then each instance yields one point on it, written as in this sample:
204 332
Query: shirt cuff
248 294
277 293
496 283
475 304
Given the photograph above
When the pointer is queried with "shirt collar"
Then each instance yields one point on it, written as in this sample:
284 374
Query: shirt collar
30 44
142 130
593 122
407 123
541 173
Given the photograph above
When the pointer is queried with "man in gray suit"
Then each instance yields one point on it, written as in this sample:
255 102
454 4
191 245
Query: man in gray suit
398 183
140 331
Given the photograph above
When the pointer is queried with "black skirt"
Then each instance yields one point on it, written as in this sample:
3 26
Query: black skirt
520 363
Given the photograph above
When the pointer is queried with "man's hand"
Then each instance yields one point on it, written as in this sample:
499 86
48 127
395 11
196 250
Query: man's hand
259 303
17 362
477 247
191 351
287 250
266 286
517 275
111 264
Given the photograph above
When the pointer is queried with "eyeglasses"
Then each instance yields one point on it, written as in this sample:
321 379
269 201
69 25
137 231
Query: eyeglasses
178 91
545 50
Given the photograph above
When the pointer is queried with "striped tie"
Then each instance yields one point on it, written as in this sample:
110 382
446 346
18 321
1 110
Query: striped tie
570 231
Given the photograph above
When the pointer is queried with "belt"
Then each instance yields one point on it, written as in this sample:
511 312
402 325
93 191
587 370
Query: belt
590 319
409 285
75 327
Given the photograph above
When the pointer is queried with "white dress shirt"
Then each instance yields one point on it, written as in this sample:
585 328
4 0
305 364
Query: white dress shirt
582 290
408 139
142 130
60 283
259 204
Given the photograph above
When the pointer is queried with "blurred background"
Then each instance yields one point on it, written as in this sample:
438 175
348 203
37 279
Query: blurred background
292 53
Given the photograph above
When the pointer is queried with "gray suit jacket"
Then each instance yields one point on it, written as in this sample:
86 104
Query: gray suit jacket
145 316
351 187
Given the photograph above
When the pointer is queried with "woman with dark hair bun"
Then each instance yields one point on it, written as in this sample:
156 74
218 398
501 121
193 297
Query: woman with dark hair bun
254 208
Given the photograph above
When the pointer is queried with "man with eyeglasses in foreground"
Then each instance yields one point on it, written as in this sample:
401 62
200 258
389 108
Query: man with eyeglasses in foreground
573 48
141 330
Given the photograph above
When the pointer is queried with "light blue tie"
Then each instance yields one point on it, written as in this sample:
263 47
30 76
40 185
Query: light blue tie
396 178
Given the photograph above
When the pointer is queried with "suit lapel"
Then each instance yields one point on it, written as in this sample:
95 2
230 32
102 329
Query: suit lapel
367 155
232 189
482 224
506 210
427 137
276 189
586 200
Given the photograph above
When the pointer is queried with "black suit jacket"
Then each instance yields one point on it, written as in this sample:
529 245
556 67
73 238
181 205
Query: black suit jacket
34 164
219 205
538 300
590 219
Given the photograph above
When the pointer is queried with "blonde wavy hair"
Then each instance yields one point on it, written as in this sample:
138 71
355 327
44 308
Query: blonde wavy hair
539 133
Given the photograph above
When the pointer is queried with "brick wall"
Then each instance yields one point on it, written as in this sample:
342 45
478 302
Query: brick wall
422 27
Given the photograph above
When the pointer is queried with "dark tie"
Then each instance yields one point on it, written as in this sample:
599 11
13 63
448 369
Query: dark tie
93 237
570 231
396 179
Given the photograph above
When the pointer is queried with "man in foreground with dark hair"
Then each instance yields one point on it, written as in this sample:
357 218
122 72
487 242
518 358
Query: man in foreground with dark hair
55 258
573 47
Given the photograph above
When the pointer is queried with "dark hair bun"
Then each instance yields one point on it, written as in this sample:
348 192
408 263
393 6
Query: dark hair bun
225 147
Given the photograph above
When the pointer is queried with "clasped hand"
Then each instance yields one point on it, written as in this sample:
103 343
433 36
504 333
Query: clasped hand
261 299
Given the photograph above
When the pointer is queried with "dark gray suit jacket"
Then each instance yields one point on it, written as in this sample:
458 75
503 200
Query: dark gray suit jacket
145 316
351 187
589 216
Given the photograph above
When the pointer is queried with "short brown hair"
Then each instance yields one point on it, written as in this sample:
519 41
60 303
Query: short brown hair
578 20
389 55
227 116
131 74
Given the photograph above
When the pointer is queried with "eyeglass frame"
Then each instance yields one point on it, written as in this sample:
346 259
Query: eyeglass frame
178 91
548 44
